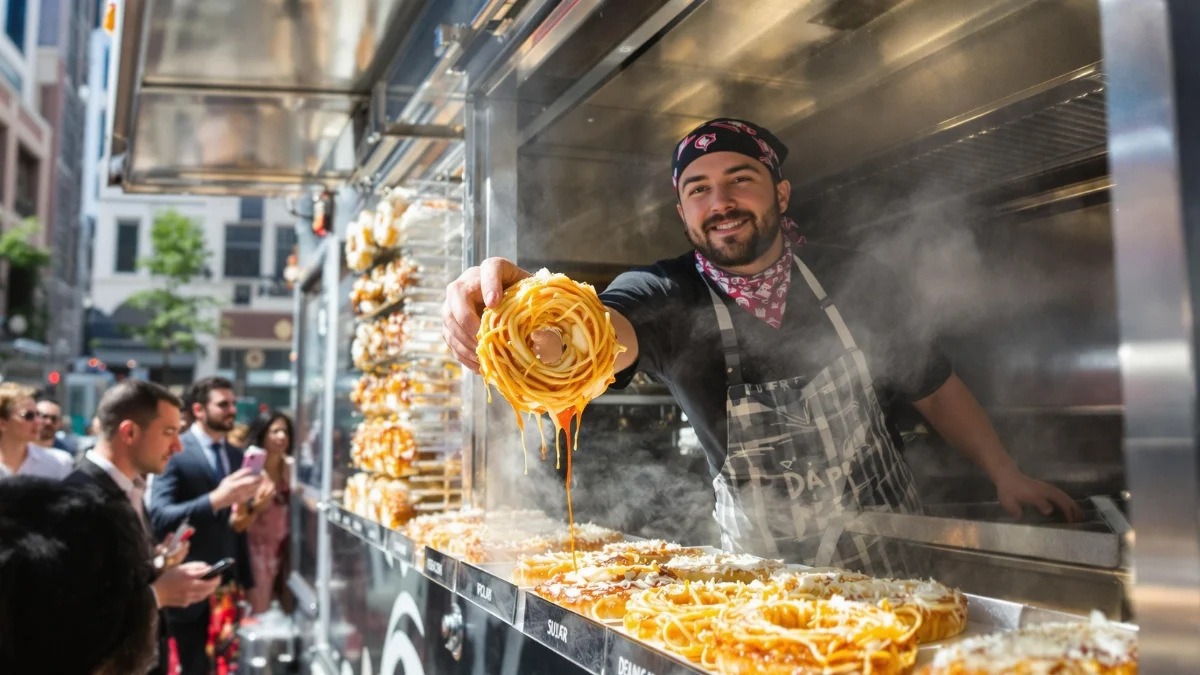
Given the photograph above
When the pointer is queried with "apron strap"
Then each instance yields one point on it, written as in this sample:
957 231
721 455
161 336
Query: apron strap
835 317
729 346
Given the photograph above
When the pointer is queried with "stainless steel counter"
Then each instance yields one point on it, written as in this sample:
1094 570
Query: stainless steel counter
589 646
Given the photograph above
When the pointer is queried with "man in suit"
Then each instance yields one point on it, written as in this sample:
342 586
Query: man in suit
138 434
201 484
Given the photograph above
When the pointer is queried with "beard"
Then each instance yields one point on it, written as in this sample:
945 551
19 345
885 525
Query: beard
736 253
221 422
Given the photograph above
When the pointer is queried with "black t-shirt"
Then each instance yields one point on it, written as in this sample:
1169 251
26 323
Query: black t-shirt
671 310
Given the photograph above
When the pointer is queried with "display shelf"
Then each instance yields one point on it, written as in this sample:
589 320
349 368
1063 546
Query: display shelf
604 648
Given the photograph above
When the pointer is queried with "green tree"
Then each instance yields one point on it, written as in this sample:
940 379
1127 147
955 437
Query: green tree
176 318
25 260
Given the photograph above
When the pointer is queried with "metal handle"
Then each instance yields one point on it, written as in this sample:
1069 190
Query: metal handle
452 631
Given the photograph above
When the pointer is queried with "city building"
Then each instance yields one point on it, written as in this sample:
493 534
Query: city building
62 78
250 239
27 151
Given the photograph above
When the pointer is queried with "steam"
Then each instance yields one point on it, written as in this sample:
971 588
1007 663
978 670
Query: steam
629 474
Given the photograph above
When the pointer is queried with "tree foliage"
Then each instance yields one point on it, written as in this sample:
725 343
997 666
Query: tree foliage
24 285
178 316
17 249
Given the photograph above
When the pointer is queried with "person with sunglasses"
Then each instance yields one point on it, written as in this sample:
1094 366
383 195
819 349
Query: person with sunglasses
20 424
51 434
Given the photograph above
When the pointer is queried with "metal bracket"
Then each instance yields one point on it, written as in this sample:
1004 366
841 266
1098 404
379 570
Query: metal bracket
444 131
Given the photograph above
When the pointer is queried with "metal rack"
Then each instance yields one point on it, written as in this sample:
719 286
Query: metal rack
430 240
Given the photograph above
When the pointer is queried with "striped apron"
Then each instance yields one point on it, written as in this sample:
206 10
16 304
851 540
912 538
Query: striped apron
804 455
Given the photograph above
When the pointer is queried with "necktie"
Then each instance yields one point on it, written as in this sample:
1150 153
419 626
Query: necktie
219 461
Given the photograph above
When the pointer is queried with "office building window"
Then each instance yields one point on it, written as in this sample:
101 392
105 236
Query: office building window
250 209
14 23
285 241
243 251
127 245
25 203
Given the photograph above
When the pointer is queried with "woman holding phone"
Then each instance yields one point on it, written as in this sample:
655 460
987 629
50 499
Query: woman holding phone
265 519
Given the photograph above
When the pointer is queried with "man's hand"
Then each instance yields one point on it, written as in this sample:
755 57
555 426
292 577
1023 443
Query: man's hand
466 297
182 586
235 488
164 548
1015 490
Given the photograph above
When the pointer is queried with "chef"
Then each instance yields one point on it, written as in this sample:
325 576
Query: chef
780 353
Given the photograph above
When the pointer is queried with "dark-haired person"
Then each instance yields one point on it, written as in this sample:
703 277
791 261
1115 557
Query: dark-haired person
138 434
20 455
265 518
779 352
51 434
201 484
75 576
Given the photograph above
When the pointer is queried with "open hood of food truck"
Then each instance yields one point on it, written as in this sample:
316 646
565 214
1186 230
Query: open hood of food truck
247 96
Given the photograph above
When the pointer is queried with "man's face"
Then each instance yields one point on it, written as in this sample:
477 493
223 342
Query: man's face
219 413
731 208
155 444
51 416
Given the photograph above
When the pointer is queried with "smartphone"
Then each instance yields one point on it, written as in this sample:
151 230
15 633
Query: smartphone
254 459
181 534
218 569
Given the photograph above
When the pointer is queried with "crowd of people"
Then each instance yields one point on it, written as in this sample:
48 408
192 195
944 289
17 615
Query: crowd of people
148 542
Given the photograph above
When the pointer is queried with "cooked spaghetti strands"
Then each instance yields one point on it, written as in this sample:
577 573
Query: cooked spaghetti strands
1097 647
507 361
943 610
680 617
600 593
776 636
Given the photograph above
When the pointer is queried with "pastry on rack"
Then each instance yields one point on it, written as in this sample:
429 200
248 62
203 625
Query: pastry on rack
1097 647
385 446
784 636
600 593
942 610
359 253
723 567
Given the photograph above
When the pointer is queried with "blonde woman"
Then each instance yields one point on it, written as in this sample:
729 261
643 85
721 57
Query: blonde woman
20 455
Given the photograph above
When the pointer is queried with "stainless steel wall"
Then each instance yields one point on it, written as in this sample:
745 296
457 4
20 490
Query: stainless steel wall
938 137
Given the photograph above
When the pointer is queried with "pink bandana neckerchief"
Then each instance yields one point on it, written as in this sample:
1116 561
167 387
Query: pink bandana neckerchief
764 294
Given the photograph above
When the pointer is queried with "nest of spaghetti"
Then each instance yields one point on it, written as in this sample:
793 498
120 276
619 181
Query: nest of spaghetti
533 569
681 617
1098 647
384 445
572 311
940 611
503 535
768 635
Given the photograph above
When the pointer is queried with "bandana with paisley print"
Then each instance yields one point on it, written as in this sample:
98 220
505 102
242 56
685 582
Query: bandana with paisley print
764 294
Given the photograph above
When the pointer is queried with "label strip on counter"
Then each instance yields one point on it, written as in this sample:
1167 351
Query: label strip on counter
626 656
441 567
400 546
497 596
565 632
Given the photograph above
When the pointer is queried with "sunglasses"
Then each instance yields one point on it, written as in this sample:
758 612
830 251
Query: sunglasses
50 418
28 415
